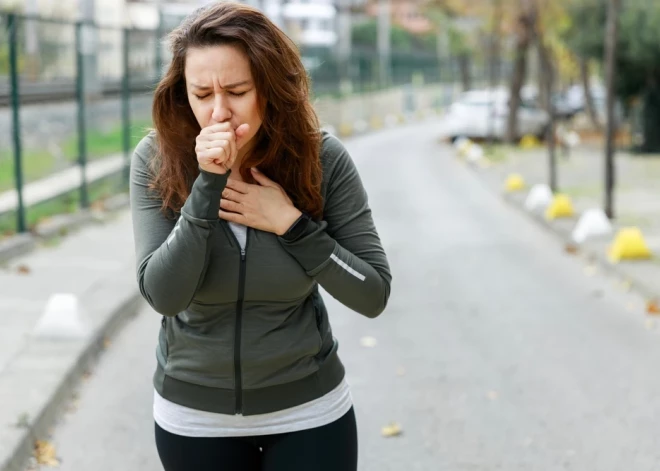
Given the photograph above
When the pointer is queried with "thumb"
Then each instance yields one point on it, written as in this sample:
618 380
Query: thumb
242 131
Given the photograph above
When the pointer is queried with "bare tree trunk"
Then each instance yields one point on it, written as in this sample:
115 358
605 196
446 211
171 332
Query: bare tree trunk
548 74
611 37
527 28
588 97
466 76
495 44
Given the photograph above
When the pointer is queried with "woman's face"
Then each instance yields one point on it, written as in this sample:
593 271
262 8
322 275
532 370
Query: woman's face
220 89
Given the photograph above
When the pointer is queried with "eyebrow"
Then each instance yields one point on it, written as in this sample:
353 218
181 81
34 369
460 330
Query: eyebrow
226 87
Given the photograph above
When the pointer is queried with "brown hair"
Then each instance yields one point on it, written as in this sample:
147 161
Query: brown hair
286 147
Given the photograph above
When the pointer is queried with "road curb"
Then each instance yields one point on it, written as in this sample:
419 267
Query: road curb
43 393
16 246
60 225
598 257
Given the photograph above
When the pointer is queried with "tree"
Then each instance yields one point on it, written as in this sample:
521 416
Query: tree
527 18
637 58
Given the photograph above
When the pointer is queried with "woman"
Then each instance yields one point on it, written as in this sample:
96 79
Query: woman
242 207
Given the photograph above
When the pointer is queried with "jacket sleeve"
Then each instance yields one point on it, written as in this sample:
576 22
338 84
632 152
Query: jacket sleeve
343 252
171 256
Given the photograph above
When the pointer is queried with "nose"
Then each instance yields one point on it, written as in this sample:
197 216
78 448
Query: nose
221 111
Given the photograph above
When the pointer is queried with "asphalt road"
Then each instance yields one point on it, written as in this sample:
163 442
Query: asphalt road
498 351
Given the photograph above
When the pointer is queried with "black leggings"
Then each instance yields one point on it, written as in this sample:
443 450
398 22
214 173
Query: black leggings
332 447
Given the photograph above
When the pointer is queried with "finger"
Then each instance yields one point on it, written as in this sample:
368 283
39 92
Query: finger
216 155
232 217
232 195
231 206
233 150
241 132
215 136
215 144
240 187
217 127
262 179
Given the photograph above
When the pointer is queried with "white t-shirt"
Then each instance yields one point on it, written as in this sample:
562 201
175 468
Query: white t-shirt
184 421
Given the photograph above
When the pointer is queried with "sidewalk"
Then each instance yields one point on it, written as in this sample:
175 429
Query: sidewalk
37 373
581 176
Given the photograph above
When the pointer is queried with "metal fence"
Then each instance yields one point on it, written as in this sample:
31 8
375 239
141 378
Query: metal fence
75 98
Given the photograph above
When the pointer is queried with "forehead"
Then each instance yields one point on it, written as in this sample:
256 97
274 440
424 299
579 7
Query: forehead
226 63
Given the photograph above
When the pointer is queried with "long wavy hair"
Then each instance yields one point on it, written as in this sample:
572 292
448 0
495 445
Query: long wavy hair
287 145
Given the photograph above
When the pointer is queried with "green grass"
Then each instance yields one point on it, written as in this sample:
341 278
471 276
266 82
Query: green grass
585 191
39 163
64 204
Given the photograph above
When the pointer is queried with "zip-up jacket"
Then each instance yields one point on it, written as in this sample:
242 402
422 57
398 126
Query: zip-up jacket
246 331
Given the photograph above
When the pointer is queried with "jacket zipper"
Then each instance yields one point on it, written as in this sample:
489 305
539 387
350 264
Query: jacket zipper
237 335
238 377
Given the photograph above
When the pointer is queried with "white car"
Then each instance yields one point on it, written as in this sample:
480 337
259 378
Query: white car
480 114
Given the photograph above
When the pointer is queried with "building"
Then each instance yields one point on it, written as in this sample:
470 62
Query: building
407 14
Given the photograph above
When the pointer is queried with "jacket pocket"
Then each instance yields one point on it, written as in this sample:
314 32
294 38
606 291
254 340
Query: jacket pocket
163 345
201 356
322 326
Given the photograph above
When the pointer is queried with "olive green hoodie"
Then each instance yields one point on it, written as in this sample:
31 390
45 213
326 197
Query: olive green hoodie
246 331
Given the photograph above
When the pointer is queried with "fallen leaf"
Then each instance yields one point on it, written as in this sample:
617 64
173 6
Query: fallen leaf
368 342
23 269
590 270
45 453
106 343
23 420
570 248
652 307
391 430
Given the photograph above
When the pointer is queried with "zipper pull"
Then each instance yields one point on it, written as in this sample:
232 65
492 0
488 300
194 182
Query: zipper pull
243 255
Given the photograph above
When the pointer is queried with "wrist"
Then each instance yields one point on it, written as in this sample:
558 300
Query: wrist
289 220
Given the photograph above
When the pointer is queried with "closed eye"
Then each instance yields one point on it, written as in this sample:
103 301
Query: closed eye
202 97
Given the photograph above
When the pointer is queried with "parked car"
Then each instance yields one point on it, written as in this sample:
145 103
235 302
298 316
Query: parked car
480 114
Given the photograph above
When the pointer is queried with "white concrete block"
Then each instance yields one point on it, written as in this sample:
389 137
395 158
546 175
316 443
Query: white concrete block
391 120
593 223
475 153
361 126
539 198
62 318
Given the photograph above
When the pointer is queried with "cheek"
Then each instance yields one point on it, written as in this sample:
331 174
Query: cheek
200 112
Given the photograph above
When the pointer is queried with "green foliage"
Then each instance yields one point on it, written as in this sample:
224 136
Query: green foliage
365 35
638 48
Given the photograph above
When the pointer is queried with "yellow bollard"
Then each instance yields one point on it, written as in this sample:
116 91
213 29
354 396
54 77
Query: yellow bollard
629 244
345 129
560 207
529 142
514 182
376 122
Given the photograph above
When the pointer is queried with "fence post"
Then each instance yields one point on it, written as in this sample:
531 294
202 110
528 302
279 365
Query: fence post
16 121
159 48
80 96
125 104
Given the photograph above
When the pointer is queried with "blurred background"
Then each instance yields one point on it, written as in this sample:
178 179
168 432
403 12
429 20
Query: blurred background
76 77
498 350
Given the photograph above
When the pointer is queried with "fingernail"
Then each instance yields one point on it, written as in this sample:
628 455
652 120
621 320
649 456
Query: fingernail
254 169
